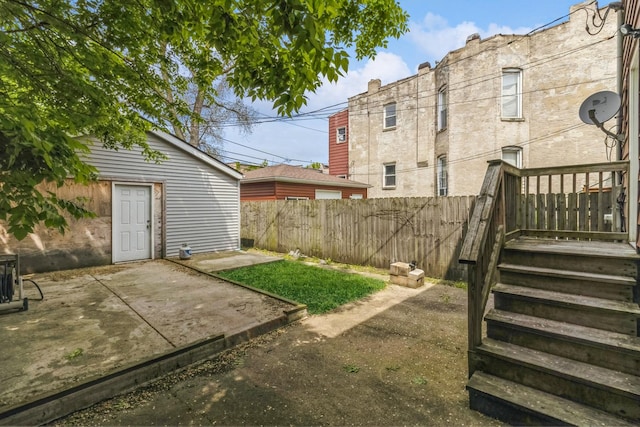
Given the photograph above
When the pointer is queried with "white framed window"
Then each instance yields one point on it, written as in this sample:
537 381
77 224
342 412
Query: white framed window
389 175
511 100
296 198
341 176
512 155
390 116
442 176
356 197
341 135
328 194
442 108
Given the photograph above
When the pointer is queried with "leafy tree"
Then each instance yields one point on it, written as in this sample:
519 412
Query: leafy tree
110 68
210 109
314 165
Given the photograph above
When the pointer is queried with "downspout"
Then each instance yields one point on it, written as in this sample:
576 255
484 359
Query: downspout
368 143
619 8
417 116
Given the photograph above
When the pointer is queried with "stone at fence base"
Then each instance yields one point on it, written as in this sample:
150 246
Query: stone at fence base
400 269
416 277
401 274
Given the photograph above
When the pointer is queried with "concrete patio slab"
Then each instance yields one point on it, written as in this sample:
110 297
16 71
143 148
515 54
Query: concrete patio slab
94 322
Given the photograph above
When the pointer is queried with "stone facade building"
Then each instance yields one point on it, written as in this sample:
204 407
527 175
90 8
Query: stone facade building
514 97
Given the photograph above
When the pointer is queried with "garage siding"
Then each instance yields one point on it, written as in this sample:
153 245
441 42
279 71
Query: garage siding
202 202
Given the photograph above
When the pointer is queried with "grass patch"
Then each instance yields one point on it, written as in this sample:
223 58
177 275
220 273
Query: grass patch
320 289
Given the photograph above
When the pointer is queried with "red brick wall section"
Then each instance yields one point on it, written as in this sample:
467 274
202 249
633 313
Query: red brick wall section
258 191
338 151
284 190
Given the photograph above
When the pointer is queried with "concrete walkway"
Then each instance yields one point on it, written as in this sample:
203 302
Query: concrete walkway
394 358
107 322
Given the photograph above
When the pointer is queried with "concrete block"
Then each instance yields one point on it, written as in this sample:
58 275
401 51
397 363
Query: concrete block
411 281
416 278
399 280
400 269
416 274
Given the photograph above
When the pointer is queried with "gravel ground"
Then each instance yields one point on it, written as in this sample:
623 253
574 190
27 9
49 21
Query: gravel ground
403 365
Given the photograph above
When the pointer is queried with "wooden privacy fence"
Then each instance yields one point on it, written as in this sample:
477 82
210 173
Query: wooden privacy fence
372 232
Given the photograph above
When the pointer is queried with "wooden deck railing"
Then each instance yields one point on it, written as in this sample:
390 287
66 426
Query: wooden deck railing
578 202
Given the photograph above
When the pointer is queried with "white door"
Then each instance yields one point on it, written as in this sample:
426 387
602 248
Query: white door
131 222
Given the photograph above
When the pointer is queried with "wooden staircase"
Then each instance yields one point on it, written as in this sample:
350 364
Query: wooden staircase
562 342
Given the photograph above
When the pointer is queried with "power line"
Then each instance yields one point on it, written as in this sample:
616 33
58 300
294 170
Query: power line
482 154
321 113
286 159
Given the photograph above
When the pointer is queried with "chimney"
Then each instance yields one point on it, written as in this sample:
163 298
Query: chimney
374 85
424 67
472 37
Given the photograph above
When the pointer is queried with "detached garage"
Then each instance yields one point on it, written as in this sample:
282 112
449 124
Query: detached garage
284 182
143 210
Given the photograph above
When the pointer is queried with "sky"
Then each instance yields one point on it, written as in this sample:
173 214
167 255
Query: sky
435 28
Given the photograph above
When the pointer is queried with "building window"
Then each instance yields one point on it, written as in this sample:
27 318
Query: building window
390 116
511 93
442 109
296 198
512 155
442 176
389 178
341 135
328 194
341 176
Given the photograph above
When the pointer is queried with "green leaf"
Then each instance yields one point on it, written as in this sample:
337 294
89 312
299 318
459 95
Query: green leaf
112 68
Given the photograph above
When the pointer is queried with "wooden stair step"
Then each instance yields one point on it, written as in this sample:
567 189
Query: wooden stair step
521 405
603 348
622 342
561 298
566 274
601 249
608 286
590 256
611 315
606 389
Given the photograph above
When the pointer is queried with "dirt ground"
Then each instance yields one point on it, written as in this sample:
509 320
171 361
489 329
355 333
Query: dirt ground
395 358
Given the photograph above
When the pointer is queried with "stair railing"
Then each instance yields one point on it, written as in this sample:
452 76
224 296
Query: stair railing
579 201
481 247
516 201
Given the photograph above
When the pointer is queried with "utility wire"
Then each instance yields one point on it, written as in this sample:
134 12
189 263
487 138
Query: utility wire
318 113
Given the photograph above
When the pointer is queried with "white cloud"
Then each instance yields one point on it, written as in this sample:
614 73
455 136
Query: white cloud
387 67
435 37
308 139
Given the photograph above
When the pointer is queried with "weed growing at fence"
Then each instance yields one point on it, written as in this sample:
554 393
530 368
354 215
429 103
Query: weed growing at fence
320 289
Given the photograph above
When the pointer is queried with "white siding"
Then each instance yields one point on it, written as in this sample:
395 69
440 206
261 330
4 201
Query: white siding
201 201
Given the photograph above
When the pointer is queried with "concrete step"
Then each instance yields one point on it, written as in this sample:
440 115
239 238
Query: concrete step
518 404
609 315
607 349
608 286
604 389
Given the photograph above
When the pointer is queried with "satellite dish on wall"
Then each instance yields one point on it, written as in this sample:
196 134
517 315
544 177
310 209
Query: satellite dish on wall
604 105
600 107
